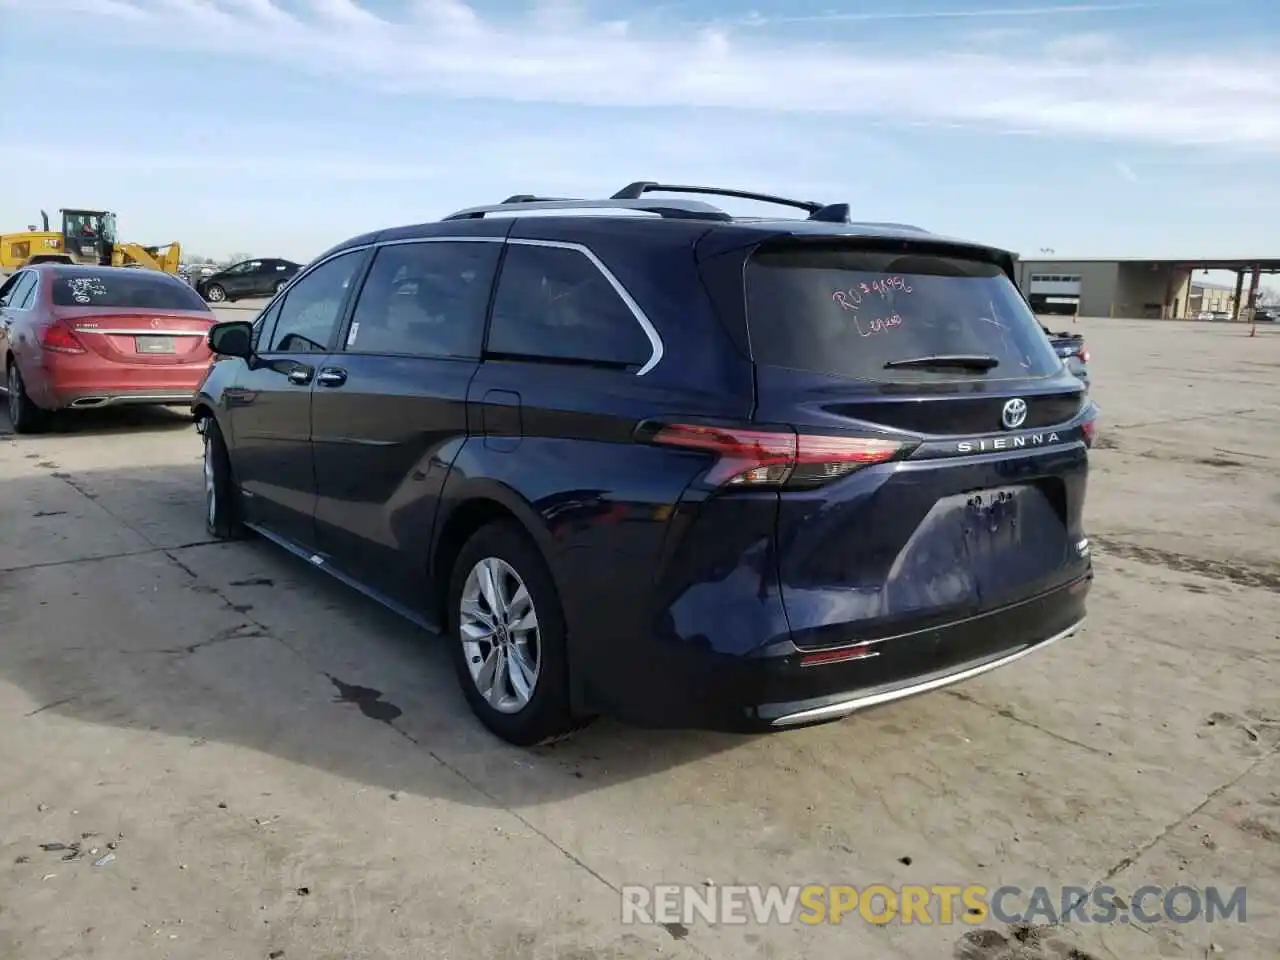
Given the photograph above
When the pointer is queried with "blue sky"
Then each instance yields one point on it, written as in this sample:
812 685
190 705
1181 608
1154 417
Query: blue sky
282 126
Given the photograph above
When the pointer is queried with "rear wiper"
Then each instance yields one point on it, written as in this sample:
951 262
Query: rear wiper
961 361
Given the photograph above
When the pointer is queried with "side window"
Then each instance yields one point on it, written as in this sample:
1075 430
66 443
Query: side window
309 316
25 297
554 303
264 326
14 293
425 300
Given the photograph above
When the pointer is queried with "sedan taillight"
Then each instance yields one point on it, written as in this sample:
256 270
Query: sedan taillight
59 339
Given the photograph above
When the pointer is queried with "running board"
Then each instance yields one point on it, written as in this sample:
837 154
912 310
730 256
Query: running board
321 562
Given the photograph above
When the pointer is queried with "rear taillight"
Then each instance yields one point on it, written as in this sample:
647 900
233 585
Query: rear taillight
60 340
1084 354
1089 429
774 458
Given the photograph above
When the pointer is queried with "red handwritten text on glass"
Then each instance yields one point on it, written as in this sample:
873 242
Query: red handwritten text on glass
853 298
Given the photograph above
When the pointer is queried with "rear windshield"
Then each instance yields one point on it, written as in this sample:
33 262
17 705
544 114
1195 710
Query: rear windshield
142 289
849 312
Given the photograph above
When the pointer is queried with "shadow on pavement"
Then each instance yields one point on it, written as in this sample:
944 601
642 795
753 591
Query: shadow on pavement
108 420
241 643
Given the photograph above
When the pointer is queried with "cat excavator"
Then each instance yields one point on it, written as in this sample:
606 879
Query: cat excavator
86 237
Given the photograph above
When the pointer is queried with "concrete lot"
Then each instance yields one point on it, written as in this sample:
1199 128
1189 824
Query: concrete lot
287 771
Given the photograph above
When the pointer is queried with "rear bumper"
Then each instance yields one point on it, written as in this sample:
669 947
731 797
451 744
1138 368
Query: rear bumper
834 706
95 400
92 383
701 689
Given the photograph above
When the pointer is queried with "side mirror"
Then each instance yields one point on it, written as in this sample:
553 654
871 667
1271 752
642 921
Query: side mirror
231 338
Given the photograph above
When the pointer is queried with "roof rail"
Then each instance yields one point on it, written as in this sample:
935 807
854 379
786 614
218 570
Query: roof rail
824 213
634 191
530 198
674 209
631 197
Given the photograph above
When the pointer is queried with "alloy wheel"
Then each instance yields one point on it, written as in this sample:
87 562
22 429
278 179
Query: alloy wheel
210 485
216 294
498 626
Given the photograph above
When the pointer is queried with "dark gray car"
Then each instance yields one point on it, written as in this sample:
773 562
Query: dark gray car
262 277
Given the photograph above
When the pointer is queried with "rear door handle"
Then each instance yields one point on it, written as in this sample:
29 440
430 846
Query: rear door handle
301 375
332 377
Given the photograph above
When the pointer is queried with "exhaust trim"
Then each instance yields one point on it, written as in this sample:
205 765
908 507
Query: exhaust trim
163 399
853 704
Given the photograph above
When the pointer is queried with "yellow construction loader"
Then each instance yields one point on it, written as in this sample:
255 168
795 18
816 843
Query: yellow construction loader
87 237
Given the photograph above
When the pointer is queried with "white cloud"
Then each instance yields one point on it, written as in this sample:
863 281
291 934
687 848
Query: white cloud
977 13
101 8
1082 46
1126 171
346 12
1084 86
353 168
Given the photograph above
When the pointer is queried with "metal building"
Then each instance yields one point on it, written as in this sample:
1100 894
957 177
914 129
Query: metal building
1156 289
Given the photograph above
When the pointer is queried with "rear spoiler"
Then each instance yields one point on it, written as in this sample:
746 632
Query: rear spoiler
716 242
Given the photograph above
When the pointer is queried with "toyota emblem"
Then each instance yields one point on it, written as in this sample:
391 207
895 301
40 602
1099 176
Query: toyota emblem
1014 414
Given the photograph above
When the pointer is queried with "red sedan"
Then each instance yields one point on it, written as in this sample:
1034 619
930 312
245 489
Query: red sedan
76 338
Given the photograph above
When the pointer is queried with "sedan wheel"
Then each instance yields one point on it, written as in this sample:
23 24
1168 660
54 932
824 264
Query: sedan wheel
498 628
24 415
215 294
211 507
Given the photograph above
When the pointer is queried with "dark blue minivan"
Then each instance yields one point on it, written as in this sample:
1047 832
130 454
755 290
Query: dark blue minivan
637 456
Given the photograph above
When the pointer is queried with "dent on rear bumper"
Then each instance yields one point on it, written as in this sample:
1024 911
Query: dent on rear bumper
671 684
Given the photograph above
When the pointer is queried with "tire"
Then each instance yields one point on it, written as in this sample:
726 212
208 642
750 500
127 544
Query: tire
215 294
505 551
24 415
280 285
221 499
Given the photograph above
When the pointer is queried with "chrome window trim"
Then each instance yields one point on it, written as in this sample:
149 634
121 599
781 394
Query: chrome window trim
31 295
650 332
284 292
314 265
408 240
35 292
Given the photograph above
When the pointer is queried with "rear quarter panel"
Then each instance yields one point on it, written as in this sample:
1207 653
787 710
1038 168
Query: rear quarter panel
599 504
